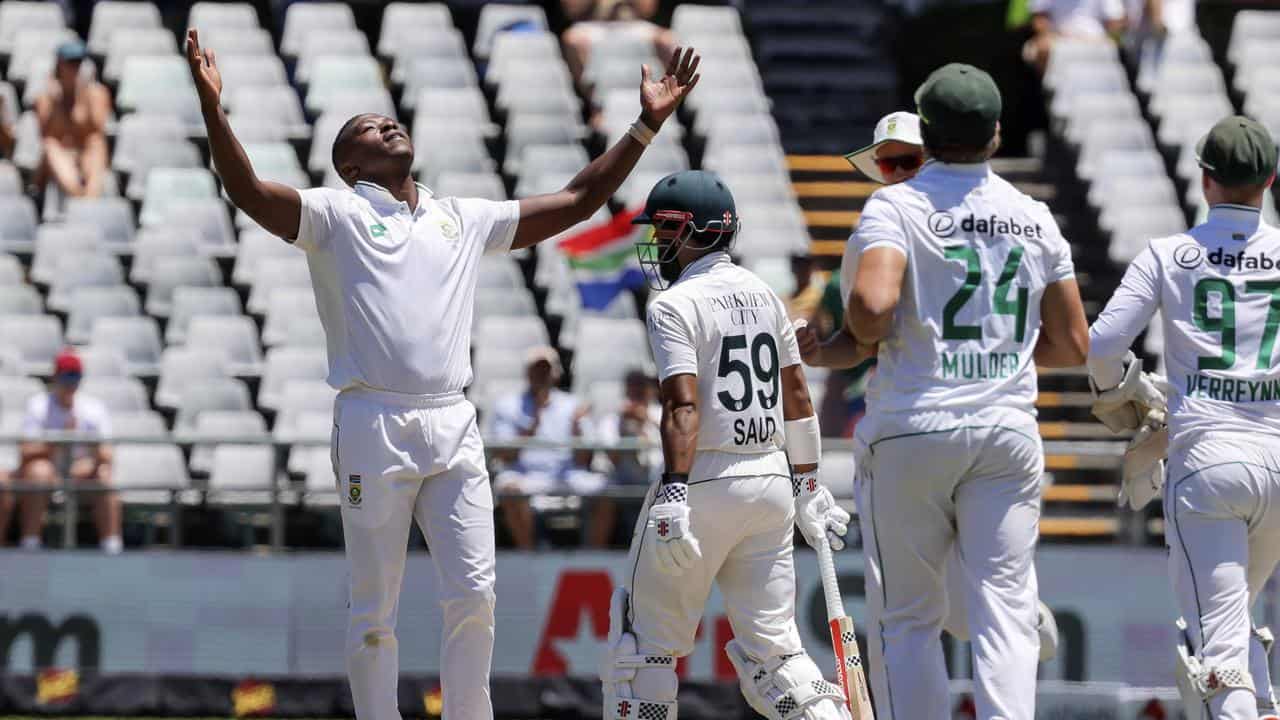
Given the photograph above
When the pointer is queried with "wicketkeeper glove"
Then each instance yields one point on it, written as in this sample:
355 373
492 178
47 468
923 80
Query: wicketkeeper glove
817 512
1125 406
676 548
1142 475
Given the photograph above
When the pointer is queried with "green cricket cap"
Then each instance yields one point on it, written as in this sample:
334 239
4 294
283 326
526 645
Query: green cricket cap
698 192
1237 151
959 104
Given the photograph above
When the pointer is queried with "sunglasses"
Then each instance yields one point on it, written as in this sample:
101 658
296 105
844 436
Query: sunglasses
68 378
906 163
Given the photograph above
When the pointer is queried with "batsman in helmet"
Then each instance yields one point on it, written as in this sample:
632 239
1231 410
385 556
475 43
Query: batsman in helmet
741 447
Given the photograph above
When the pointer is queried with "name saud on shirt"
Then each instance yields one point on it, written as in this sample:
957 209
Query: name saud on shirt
744 308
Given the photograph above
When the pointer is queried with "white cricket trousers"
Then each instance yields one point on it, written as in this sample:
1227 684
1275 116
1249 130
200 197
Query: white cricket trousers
400 458
927 482
1222 526
744 527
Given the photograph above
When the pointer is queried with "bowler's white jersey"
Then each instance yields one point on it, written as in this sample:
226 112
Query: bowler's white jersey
1218 289
396 288
979 256
725 325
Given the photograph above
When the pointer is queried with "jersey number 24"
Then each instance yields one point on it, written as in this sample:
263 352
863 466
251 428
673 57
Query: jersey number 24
1002 303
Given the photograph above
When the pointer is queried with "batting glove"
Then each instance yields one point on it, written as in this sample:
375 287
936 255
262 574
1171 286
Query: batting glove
676 548
817 512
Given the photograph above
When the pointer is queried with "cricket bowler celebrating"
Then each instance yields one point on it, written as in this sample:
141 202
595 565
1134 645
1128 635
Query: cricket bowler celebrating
1218 289
733 397
395 270
961 285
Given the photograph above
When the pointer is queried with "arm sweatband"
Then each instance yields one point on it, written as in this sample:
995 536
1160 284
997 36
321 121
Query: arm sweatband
804 440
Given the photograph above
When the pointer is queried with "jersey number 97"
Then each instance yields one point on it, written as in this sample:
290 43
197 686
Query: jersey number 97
1224 324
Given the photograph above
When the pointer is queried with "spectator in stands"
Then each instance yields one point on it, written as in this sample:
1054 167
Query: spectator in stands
803 300
638 420
1160 18
8 135
546 413
593 21
73 114
88 463
6 506
1151 22
1075 19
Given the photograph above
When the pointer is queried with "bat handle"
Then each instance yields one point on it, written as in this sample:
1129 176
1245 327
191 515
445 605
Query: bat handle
830 584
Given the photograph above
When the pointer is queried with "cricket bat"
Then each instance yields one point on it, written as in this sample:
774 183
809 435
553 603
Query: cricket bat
849 673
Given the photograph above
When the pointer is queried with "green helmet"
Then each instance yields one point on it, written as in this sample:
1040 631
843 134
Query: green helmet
688 209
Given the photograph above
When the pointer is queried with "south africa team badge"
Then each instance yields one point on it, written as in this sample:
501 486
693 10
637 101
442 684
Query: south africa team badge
354 495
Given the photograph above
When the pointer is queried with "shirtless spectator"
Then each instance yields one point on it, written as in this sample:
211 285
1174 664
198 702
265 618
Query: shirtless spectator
594 20
88 464
73 114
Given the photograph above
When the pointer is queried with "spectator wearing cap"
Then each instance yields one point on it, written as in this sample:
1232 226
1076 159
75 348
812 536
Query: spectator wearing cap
88 464
541 412
1098 20
73 114
637 420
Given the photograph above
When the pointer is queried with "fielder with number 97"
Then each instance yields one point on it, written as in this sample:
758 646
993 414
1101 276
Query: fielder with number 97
1217 287
733 397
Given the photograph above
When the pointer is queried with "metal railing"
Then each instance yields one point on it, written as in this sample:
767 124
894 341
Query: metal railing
1099 454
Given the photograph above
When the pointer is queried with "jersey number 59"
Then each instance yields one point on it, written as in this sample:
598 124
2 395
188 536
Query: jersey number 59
763 346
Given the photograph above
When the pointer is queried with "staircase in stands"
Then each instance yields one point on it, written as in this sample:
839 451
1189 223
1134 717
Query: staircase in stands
827 66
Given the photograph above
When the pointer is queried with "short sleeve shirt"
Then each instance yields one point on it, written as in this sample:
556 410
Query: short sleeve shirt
395 288
86 414
726 326
513 416
980 254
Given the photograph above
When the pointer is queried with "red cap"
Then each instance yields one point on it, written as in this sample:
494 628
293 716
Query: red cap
67 361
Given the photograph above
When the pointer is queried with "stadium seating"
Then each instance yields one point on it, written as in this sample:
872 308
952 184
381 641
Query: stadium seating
197 325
